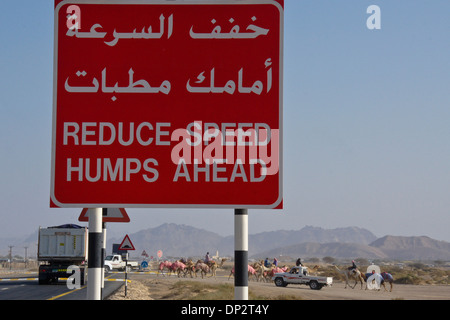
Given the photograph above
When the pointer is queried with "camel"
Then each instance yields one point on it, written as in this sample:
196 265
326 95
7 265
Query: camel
261 271
190 268
251 272
179 268
277 270
389 278
213 266
210 263
203 267
313 270
385 277
367 275
164 265
258 270
266 273
354 273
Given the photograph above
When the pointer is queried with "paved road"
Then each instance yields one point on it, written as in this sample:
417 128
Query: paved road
26 287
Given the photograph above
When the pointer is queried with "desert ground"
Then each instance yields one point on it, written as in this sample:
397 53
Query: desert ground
159 287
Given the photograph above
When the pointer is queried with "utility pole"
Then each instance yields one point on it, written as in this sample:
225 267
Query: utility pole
10 256
26 260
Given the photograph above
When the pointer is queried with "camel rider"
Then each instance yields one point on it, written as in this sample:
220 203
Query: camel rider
207 258
298 263
266 263
353 267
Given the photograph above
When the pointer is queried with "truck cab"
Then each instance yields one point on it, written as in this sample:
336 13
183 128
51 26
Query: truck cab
115 262
299 275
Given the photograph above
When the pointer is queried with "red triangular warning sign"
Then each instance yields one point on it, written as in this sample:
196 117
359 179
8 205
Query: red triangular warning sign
126 244
109 215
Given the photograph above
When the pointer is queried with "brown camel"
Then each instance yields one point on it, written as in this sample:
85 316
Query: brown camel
313 270
190 268
263 273
203 267
213 266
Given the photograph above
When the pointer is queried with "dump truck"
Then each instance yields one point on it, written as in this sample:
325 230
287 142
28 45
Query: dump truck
60 247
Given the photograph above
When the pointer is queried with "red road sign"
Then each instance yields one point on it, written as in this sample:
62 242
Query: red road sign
109 215
126 244
174 104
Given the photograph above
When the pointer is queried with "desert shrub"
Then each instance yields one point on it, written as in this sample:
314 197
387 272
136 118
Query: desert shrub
408 279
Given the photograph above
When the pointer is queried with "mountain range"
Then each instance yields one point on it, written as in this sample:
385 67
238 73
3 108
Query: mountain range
176 240
347 243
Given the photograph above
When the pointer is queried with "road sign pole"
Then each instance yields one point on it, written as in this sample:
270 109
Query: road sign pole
103 253
126 273
95 255
240 254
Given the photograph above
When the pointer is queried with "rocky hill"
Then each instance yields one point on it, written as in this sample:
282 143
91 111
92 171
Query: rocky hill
319 250
413 248
174 240
280 239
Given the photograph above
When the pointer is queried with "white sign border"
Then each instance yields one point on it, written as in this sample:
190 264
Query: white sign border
140 205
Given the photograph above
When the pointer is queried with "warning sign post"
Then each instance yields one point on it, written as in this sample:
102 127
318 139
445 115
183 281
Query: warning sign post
126 244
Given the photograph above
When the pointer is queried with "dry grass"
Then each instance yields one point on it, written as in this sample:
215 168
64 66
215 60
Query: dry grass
136 290
185 290
407 275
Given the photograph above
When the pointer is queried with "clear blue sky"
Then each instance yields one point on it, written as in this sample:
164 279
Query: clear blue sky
366 122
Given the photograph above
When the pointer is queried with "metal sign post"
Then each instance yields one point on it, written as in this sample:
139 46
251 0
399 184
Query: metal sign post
126 273
126 245
94 287
103 253
240 254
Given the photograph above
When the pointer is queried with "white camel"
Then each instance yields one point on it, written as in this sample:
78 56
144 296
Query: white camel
352 273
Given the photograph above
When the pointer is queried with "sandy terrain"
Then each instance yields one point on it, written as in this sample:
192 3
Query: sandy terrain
145 287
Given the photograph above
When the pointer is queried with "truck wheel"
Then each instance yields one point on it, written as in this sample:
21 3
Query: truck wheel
314 285
43 280
82 276
107 269
279 282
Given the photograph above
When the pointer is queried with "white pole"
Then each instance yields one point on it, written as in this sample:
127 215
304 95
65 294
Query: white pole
103 253
240 254
126 273
94 286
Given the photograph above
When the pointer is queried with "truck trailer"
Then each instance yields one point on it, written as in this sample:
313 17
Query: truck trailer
60 247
